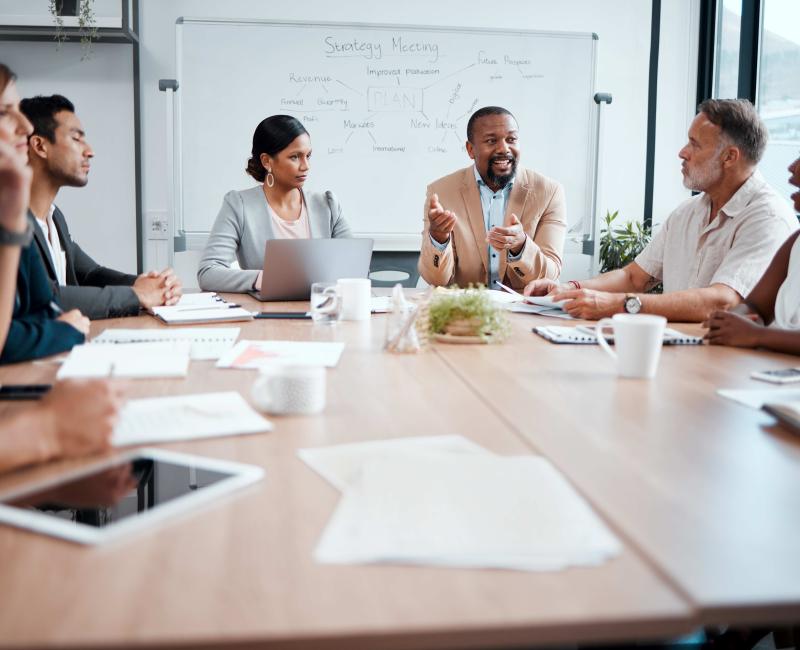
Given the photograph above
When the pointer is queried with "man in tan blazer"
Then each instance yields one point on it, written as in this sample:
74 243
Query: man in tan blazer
492 221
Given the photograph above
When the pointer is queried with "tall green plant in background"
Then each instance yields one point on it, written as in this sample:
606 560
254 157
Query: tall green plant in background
620 246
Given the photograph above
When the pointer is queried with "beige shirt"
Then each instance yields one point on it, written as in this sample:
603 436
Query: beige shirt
734 249
297 229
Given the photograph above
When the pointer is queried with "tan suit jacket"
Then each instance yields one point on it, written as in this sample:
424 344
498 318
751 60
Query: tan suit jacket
540 206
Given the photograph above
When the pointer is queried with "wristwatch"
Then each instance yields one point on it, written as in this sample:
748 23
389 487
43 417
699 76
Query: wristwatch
11 238
632 304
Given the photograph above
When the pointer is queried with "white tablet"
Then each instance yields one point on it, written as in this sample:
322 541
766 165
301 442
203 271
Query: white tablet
119 496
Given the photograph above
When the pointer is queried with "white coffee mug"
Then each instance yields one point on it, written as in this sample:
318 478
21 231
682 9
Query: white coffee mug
638 339
356 296
290 389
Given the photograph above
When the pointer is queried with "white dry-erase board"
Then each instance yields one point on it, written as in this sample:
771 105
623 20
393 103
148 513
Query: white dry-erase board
387 109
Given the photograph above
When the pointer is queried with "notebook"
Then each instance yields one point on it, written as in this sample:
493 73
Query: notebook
583 334
186 315
206 342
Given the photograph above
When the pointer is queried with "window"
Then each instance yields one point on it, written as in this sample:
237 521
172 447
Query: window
778 99
729 22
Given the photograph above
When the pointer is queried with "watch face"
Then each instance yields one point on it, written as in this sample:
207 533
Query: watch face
633 305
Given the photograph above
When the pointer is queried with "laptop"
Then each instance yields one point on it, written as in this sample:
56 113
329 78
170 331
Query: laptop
291 266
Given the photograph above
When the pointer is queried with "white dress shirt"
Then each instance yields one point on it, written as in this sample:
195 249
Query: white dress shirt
54 247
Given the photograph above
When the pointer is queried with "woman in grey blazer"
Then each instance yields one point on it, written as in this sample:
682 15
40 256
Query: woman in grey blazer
278 208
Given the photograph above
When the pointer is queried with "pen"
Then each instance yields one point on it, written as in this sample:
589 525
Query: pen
55 308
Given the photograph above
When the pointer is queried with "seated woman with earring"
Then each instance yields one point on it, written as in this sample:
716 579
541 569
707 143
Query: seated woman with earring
277 208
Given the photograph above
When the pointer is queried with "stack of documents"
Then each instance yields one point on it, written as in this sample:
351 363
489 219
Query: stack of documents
136 360
258 354
200 308
448 503
205 342
186 417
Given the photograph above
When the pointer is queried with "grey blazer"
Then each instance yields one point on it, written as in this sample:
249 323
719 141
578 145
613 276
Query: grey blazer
242 229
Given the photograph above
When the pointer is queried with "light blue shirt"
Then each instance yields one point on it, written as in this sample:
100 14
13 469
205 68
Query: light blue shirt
493 205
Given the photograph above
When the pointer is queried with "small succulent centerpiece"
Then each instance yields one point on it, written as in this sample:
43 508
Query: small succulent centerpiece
467 313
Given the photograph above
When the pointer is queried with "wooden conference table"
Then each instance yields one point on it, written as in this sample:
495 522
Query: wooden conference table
702 493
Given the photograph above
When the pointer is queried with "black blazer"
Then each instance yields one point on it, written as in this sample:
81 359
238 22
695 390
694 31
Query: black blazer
99 292
33 332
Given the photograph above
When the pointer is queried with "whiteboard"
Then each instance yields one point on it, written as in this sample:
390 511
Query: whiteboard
386 107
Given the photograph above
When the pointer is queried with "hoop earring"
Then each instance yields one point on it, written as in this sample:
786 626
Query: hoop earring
270 179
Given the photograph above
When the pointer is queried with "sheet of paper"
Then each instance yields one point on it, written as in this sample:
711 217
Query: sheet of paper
504 297
186 417
202 299
136 360
542 301
545 301
206 342
539 310
341 465
755 398
381 304
465 510
257 354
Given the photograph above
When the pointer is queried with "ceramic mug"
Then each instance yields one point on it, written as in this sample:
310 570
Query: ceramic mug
637 338
290 389
356 296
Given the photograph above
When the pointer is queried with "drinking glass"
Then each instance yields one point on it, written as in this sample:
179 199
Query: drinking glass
326 304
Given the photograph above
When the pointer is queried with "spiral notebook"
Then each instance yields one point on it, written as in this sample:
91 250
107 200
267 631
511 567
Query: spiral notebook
206 342
585 335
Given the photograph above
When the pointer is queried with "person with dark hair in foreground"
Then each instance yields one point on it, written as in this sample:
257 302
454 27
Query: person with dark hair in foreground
60 156
712 249
278 208
492 220
770 315
75 418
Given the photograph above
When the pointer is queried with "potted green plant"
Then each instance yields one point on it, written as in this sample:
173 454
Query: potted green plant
467 315
620 245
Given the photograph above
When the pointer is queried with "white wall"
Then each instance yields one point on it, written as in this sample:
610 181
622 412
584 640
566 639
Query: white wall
102 215
623 27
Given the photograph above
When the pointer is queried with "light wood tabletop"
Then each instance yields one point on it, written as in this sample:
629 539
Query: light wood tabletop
240 573
707 488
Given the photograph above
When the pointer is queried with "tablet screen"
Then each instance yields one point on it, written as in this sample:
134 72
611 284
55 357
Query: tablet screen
118 492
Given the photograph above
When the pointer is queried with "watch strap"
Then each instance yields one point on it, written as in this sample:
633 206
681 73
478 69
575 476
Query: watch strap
11 238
